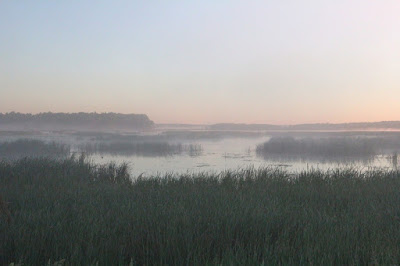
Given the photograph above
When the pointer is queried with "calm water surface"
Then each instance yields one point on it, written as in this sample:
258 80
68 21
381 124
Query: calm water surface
216 156
231 154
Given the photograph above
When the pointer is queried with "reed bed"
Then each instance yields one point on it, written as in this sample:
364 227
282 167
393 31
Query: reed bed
33 148
151 149
324 147
78 213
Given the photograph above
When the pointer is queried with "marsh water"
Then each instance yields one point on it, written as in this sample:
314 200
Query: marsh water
235 153
216 153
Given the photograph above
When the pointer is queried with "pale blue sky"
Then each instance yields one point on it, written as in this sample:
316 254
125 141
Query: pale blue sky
204 61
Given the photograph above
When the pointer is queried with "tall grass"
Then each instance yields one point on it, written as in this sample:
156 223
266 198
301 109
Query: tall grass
320 149
32 147
193 150
151 149
86 214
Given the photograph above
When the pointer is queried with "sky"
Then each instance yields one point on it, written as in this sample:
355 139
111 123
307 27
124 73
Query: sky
203 62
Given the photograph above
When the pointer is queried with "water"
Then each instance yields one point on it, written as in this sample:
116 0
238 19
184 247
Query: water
231 154
218 154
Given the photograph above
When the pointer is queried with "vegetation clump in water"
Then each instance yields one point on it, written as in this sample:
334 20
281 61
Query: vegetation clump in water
33 148
338 149
141 148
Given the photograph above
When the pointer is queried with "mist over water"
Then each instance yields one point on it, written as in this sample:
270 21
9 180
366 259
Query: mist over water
188 151
235 153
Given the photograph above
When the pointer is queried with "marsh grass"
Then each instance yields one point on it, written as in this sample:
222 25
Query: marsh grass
32 148
4 212
146 149
330 149
320 146
86 214
192 150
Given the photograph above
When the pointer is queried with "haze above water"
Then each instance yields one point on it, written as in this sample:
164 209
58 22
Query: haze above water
232 154
192 151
